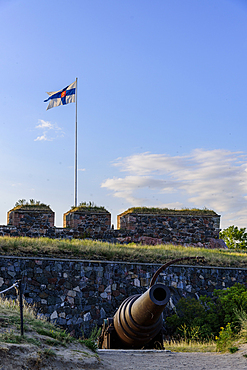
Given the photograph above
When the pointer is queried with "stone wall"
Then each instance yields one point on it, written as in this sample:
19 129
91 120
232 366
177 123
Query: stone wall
78 294
110 236
31 218
154 226
89 222
175 228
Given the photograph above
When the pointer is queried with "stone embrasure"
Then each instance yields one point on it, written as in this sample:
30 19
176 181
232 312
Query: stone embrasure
87 219
175 227
31 216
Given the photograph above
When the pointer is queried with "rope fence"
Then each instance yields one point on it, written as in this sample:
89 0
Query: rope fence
17 284
14 285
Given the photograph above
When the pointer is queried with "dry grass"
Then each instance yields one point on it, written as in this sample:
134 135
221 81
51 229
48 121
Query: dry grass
191 346
96 250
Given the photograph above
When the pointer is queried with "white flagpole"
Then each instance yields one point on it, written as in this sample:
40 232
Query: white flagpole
76 145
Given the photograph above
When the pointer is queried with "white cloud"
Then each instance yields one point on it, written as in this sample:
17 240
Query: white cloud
215 179
43 137
53 129
44 124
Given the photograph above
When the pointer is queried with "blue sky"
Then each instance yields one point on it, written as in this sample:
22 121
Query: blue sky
162 104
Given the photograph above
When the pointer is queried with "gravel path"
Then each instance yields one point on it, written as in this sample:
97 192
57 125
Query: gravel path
161 360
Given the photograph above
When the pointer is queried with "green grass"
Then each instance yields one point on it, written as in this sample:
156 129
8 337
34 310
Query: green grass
180 212
96 250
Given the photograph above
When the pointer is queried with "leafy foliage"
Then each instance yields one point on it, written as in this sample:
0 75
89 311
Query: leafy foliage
204 319
234 237
22 203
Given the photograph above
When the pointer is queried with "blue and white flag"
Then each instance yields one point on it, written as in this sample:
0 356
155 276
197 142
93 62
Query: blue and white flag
61 97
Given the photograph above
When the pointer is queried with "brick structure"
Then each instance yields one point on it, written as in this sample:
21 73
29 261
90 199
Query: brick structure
88 219
185 226
31 217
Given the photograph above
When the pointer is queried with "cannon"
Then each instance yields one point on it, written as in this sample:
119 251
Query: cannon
138 322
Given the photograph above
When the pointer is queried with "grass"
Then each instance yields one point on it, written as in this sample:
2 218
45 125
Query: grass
180 212
96 250
37 331
90 206
190 346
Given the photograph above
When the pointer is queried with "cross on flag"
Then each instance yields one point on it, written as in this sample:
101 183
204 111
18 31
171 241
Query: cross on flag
61 97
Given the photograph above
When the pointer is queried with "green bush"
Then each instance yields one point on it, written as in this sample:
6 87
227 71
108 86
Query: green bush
229 302
207 316
191 314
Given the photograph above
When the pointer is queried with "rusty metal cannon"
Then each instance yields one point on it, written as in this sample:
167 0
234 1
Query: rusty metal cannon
138 322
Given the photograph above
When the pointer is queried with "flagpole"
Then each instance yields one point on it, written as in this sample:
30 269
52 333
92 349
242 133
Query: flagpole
76 145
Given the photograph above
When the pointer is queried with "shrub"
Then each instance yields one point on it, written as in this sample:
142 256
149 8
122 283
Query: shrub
191 313
208 315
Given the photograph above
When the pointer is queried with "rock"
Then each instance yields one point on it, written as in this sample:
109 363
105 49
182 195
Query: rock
217 244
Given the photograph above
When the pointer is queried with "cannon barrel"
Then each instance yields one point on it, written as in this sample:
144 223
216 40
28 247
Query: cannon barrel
138 321
139 318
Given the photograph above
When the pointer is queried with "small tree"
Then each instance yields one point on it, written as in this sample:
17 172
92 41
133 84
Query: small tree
234 238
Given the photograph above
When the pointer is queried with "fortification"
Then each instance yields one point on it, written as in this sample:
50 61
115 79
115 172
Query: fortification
31 216
78 294
87 218
180 226
139 225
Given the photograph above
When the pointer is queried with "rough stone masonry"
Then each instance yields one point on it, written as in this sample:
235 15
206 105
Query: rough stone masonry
147 226
79 294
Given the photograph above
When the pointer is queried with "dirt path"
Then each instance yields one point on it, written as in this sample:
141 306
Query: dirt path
160 360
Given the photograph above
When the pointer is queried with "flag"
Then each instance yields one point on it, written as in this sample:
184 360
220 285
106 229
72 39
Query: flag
61 97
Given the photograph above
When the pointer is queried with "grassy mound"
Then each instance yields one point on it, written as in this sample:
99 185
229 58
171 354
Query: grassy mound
42 344
95 250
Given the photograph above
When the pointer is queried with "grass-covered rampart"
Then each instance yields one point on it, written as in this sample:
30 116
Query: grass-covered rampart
96 250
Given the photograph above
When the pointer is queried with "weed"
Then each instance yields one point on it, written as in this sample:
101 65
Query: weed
189 333
57 334
11 337
233 349
47 352
89 343
225 338
34 341
52 342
